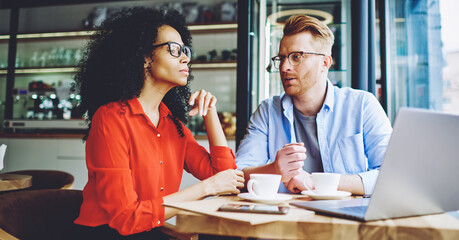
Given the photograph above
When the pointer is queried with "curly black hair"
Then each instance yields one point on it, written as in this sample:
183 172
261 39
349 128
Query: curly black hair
112 66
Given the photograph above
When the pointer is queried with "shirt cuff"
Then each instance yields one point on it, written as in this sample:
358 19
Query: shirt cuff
369 180
221 152
158 214
222 158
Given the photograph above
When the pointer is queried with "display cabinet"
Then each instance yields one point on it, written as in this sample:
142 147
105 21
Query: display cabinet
4 23
50 41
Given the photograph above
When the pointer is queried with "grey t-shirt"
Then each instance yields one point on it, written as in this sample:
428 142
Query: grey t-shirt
306 132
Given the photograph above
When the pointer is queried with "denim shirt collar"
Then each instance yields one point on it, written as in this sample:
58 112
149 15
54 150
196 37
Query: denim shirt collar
287 105
329 97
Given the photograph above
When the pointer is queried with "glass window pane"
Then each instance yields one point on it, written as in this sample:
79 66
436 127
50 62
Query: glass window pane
422 50
450 44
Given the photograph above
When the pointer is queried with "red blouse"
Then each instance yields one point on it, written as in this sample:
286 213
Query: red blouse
132 165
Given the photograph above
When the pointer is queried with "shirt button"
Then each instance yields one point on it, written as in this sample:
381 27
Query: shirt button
159 222
161 162
161 189
158 135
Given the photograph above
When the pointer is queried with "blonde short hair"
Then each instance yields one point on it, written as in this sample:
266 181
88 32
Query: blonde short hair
304 23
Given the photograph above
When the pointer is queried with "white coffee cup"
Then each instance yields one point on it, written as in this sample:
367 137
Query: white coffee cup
325 183
264 185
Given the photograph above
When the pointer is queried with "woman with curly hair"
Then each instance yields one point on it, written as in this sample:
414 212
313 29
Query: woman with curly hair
134 85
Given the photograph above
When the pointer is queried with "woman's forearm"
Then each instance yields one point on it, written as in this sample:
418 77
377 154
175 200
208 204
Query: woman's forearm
191 193
225 182
214 129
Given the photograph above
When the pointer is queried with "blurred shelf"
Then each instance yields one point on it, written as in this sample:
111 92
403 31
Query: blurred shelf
204 137
41 70
72 69
41 135
202 28
212 28
72 34
27 93
207 65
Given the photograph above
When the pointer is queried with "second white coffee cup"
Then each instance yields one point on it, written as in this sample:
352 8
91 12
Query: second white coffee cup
264 185
325 183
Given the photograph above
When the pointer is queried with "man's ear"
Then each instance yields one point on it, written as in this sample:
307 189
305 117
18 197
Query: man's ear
328 60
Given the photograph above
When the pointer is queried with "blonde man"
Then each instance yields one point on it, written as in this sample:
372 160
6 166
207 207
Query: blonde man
314 126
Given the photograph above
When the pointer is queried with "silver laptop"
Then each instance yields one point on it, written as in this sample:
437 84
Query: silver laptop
419 174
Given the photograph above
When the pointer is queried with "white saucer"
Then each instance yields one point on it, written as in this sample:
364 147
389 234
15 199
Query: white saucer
335 195
278 199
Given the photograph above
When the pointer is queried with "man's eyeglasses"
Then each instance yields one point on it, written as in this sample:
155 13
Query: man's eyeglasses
294 58
175 49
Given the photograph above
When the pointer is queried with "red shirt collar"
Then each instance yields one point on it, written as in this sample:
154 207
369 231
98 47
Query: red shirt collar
136 108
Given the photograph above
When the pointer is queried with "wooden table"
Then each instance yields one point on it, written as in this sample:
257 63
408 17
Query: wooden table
14 181
438 226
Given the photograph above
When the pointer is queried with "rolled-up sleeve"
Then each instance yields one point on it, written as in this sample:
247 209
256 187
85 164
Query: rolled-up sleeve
377 131
369 180
253 150
202 164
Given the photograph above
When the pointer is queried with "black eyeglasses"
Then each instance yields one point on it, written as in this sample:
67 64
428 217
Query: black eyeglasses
175 49
294 58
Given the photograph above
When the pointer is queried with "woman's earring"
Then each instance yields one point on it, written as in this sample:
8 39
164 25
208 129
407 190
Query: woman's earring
147 65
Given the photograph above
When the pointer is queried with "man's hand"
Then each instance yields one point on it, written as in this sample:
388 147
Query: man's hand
289 160
300 182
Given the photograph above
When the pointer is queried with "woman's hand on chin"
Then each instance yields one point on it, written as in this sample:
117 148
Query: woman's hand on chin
202 101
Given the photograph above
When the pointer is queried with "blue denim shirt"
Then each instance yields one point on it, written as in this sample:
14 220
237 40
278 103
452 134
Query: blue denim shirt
352 129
